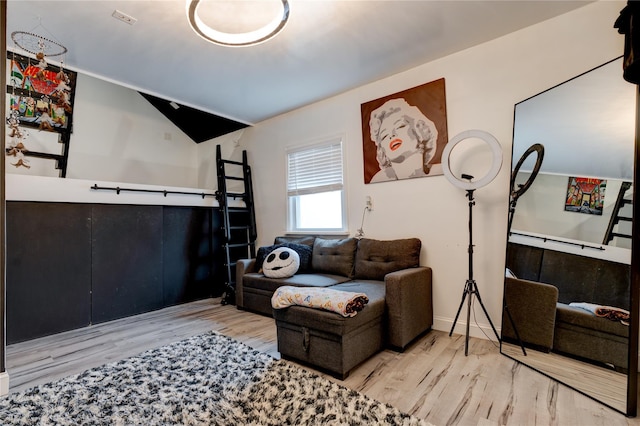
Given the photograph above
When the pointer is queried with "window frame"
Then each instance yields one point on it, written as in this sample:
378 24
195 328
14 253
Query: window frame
292 213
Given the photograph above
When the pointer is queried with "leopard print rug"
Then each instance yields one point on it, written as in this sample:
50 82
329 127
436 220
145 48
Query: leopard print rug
204 380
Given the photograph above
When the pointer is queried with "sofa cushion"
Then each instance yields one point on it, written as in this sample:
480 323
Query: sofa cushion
304 253
306 240
375 258
577 317
334 256
258 281
530 306
283 262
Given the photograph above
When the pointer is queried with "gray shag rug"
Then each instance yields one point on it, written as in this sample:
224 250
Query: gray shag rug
204 380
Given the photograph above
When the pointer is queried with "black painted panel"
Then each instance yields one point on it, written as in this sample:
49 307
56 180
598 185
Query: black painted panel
219 257
187 254
135 258
584 279
578 278
238 236
48 268
524 261
126 260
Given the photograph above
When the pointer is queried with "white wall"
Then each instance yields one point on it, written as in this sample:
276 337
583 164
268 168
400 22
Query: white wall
117 136
118 139
230 149
482 85
541 210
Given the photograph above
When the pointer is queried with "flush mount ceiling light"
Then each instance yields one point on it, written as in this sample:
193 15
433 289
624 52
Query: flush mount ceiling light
240 13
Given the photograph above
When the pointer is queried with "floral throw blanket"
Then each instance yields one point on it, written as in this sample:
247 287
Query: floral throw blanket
608 312
345 303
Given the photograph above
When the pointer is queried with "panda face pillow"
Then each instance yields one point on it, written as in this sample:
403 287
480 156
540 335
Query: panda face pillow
281 263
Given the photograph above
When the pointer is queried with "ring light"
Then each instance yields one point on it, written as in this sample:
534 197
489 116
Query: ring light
517 193
496 163
470 288
539 149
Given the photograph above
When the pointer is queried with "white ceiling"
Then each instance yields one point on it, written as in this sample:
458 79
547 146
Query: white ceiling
580 123
328 47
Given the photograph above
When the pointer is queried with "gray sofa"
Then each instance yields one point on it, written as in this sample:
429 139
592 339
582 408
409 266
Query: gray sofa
542 313
546 324
388 272
532 306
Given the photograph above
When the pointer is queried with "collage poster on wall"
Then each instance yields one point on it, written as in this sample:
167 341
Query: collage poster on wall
585 195
404 134
41 95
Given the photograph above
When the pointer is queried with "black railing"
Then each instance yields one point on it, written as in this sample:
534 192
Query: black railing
165 192
545 239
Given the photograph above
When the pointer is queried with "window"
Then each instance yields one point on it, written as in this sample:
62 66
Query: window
315 188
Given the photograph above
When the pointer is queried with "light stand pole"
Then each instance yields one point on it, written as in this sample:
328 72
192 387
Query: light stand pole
470 288
515 194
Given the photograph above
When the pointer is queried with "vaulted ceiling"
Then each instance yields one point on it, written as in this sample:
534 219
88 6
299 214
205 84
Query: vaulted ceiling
327 47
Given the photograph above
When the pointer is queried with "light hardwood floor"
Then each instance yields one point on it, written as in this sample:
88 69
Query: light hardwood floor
432 379
604 384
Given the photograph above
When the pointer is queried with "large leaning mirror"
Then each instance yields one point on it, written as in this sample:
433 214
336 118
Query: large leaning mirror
567 284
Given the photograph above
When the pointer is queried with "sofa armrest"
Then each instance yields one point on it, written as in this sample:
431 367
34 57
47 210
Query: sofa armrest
243 266
532 306
409 305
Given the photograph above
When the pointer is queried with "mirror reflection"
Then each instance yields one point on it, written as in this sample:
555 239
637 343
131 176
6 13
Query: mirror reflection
567 285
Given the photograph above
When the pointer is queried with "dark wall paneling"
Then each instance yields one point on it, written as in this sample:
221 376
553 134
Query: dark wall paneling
578 278
606 283
187 251
238 236
524 261
48 268
219 271
126 260
70 264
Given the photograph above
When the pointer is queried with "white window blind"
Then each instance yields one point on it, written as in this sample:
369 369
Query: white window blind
315 169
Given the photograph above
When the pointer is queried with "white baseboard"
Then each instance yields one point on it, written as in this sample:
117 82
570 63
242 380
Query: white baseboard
4 383
481 331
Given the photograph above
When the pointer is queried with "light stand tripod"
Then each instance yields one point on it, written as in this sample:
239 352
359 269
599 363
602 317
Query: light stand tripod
470 288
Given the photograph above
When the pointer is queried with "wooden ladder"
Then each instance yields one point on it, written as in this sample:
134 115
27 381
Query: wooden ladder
620 214
238 222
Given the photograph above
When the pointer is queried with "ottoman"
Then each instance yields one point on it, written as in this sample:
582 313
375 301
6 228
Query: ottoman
327 340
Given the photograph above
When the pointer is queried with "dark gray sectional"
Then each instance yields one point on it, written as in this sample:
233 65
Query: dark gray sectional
388 272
